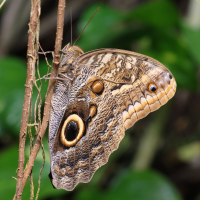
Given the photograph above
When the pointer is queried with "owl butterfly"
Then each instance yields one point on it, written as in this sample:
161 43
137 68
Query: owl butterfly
100 94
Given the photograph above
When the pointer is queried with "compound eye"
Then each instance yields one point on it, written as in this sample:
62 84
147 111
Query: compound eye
152 87
72 130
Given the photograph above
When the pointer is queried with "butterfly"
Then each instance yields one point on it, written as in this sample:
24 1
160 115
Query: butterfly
99 95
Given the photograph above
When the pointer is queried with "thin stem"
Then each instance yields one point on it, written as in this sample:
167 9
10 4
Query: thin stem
31 59
56 62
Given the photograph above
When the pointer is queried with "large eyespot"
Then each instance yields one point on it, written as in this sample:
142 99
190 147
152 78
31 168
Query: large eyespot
72 130
152 87
97 86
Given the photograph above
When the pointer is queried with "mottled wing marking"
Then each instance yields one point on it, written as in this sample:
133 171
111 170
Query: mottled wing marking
125 99
136 72
69 166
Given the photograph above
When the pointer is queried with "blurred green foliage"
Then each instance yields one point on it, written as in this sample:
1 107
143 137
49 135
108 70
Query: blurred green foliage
154 29
131 185
12 73
12 76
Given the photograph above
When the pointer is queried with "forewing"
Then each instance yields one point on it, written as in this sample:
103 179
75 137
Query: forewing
128 76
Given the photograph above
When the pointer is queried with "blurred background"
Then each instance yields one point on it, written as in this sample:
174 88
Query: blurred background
159 158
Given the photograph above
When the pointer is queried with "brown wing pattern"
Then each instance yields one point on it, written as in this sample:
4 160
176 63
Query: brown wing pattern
71 165
134 73
131 86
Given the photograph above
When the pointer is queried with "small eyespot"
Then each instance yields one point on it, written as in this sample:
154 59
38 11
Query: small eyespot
152 87
89 119
170 76
93 110
97 86
72 130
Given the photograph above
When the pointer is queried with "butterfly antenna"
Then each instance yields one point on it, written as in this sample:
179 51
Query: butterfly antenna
45 54
71 22
86 26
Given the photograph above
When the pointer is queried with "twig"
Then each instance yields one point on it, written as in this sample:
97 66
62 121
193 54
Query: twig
2 3
56 62
31 59
45 55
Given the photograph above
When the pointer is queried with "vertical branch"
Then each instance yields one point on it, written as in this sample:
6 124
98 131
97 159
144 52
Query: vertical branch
56 62
31 59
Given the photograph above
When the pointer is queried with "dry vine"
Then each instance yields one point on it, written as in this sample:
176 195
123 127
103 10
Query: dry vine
2 3
32 56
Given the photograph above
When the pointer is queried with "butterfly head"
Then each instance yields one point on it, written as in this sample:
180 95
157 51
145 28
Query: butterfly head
76 51
68 57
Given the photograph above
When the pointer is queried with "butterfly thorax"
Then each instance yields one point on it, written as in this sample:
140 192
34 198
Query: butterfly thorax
68 66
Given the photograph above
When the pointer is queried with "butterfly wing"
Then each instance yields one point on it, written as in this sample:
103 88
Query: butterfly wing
101 136
138 83
133 86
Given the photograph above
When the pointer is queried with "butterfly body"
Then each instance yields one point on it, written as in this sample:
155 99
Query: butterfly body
104 93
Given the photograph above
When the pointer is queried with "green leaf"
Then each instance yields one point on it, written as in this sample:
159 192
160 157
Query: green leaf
106 24
110 27
144 185
11 110
12 74
13 77
134 185
192 40
160 14
8 169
